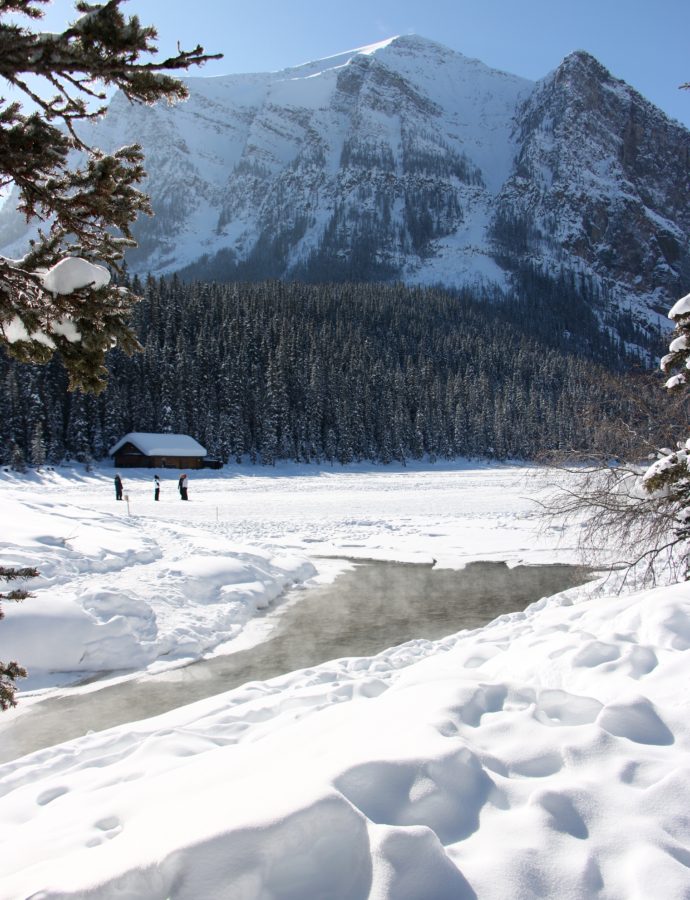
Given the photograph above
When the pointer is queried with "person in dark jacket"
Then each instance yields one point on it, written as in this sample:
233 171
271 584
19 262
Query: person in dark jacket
118 487
182 487
156 487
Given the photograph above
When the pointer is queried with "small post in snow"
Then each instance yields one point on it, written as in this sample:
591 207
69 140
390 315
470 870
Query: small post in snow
127 499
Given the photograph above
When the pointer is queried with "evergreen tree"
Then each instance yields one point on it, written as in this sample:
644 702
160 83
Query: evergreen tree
668 479
57 298
38 446
54 419
17 457
88 208
10 672
348 372
77 437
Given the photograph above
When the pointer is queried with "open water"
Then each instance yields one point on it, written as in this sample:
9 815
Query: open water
373 606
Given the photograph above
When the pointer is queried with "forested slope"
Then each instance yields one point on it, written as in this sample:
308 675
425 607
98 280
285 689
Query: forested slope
340 372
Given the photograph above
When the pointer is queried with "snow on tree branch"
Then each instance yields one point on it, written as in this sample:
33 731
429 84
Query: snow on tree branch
668 478
86 209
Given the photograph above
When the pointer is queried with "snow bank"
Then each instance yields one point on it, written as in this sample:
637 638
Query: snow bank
544 755
144 583
118 593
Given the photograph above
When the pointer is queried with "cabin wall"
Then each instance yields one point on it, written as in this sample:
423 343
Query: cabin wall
131 460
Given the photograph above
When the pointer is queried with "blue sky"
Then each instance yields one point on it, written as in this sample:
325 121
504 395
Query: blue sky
640 41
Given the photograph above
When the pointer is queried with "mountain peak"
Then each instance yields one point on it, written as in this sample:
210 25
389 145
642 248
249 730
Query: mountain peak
419 42
580 61
404 159
339 59
581 57
403 44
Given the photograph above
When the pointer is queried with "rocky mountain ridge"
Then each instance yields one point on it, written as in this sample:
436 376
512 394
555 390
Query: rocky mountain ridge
408 161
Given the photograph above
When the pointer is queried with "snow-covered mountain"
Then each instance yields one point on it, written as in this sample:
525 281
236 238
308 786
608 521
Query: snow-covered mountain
408 160
601 182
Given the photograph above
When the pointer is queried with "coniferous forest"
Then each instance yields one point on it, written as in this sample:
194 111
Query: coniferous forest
341 373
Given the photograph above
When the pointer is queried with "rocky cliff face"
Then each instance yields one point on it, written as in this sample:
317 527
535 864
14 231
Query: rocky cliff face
601 182
407 160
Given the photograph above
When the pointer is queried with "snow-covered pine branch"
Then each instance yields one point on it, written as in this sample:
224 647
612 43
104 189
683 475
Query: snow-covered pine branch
668 478
57 298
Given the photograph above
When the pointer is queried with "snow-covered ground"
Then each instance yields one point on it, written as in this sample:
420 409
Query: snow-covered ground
544 755
138 584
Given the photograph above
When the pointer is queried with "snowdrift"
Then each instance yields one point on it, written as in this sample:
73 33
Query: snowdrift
546 754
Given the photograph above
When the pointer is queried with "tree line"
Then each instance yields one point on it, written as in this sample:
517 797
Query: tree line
338 373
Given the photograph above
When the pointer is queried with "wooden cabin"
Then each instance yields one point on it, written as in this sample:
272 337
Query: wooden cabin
157 451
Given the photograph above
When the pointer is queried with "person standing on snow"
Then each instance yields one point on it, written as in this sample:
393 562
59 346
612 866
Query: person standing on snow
156 487
118 487
182 487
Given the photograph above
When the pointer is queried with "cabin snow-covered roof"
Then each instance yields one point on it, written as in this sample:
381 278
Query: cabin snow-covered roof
160 444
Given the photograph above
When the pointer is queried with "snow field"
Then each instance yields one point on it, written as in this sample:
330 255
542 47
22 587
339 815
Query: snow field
119 592
495 763
544 755
136 584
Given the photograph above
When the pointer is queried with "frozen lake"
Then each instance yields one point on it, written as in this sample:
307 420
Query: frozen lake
507 760
369 608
